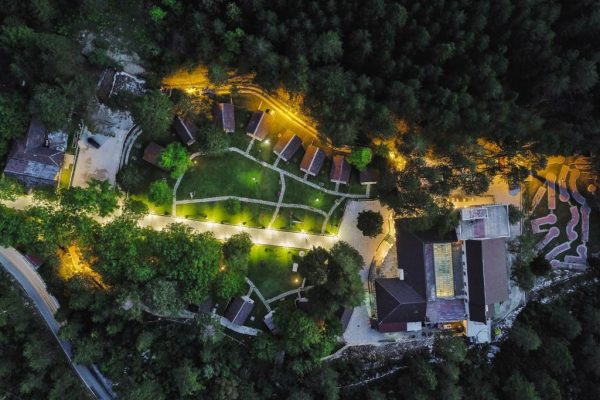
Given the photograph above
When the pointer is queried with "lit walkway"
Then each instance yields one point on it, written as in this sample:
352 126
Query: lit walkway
259 236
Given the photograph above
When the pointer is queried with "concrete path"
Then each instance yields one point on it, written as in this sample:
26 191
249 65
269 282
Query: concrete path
244 330
288 293
259 236
296 177
46 304
258 293
279 201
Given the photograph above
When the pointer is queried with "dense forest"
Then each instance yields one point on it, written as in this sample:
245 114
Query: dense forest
484 89
521 74
32 365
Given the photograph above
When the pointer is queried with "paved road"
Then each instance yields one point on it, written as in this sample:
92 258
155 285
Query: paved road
19 267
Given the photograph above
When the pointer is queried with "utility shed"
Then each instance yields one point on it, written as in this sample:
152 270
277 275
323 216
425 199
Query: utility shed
186 130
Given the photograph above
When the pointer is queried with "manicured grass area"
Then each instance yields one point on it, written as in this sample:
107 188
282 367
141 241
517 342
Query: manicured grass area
229 175
299 193
251 215
65 177
163 209
298 220
270 269
263 151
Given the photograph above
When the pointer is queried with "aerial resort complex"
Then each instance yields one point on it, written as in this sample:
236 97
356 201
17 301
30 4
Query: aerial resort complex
289 200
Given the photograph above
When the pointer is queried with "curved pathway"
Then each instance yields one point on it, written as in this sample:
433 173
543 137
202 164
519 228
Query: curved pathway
331 210
289 292
46 304
279 201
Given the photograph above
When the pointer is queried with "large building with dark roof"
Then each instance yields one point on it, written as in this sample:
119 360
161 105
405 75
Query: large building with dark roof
258 127
441 280
488 276
313 160
36 159
225 116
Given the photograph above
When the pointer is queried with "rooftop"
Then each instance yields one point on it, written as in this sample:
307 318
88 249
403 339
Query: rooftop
287 145
484 222
239 309
340 170
313 160
225 116
258 127
186 130
37 158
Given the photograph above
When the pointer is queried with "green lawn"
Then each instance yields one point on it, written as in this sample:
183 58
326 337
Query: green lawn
270 269
65 177
229 175
299 193
251 215
298 220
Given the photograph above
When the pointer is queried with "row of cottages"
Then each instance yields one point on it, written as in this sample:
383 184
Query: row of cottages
36 159
187 131
314 157
455 281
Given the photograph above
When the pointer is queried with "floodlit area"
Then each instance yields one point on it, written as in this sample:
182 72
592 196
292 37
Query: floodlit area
72 263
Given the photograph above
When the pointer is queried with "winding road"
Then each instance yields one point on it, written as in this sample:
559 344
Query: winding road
15 264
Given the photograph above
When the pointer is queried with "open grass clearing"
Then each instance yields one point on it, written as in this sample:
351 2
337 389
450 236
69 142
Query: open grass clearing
229 174
250 215
270 269
299 193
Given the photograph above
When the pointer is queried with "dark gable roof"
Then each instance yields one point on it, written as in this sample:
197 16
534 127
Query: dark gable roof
225 116
411 259
369 176
152 153
186 130
287 145
37 158
259 125
340 170
313 159
397 304
239 309
488 275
